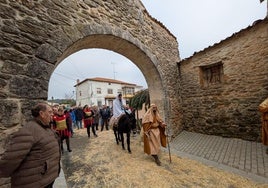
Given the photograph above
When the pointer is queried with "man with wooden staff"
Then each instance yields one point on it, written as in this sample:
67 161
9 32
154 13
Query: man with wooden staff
154 133
263 108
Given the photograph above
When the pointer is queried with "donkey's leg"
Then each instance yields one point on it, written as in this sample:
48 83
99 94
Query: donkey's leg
122 139
116 135
128 142
119 135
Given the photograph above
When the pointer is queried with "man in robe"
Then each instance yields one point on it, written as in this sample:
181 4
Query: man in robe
154 133
263 108
118 109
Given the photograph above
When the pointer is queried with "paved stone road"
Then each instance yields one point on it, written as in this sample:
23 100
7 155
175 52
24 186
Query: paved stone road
245 158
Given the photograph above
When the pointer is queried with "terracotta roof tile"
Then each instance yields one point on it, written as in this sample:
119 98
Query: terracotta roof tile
99 79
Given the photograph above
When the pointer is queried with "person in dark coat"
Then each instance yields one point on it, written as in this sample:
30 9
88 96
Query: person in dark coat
96 117
105 116
79 117
32 156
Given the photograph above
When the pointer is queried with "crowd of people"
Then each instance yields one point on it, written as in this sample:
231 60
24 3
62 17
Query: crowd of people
88 117
38 145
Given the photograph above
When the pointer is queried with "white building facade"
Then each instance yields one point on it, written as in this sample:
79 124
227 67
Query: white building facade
99 91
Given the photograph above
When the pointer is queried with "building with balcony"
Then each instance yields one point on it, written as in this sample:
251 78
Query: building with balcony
99 91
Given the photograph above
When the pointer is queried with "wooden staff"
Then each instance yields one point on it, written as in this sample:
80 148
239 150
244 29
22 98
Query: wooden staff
168 148
168 107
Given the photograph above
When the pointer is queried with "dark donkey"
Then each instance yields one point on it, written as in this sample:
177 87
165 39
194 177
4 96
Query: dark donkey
125 124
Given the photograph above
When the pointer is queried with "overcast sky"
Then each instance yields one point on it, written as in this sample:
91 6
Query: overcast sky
195 24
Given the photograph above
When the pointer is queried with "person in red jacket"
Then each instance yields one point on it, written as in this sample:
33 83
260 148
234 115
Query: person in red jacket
61 124
69 119
88 120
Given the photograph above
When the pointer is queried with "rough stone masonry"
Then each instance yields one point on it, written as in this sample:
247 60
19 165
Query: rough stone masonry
37 35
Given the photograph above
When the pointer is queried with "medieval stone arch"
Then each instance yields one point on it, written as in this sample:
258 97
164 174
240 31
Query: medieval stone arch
36 36
124 44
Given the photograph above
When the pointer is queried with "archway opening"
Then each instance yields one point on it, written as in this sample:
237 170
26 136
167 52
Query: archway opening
91 63
133 50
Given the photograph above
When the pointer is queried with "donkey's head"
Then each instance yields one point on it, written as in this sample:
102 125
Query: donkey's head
132 120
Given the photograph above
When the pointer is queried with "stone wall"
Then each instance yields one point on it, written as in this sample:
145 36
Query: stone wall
227 105
35 36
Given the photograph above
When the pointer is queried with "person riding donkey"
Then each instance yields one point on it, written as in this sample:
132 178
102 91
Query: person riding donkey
122 121
118 110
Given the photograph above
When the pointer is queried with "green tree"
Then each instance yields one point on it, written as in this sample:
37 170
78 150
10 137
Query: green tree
142 97
138 100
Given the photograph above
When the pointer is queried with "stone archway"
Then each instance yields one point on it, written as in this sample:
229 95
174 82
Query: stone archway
37 36
142 59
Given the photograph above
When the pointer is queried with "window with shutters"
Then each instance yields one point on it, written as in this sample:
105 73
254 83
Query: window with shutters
98 90
211 74
110 91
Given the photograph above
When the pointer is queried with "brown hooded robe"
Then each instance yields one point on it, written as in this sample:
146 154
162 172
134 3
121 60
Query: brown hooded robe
263 108
153 127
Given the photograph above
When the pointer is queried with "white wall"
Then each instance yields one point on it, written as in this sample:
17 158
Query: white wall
90 96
